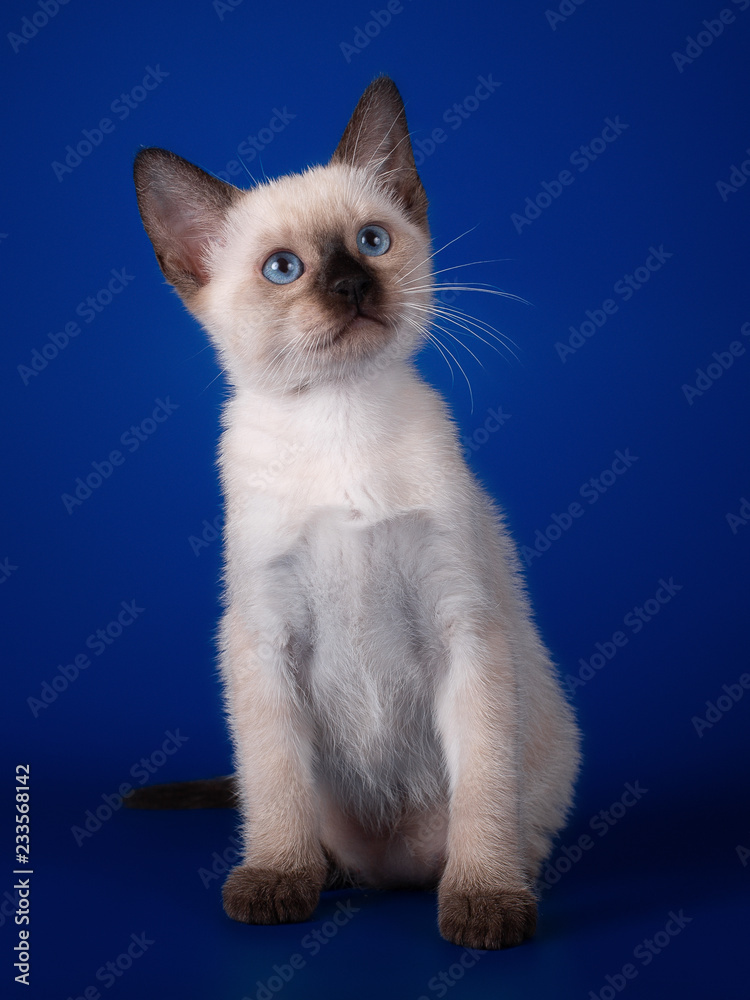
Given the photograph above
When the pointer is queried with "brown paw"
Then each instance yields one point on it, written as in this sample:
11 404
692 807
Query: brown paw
266 896
475 918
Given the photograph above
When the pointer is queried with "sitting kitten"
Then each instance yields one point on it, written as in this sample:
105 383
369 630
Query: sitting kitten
395 716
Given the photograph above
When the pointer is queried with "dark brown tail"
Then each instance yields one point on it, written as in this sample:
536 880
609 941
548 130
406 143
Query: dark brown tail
206 793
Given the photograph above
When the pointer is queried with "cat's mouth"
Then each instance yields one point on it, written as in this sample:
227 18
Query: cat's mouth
362 320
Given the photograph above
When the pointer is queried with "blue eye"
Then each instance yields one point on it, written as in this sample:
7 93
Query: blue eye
373 241
283 267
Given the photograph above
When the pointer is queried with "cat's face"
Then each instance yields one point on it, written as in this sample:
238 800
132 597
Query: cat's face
315 277
342 291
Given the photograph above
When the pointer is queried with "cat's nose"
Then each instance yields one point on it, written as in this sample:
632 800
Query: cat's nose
353 288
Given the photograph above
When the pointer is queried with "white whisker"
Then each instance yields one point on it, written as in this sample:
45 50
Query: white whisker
466 323
459 341
435 342
473 263
460 317
474 287
443 347
400 277
222 371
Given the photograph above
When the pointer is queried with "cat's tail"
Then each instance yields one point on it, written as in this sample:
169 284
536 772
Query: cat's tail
206 793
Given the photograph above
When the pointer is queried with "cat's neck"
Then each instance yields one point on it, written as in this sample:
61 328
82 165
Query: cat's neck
385 444
393 419
368 404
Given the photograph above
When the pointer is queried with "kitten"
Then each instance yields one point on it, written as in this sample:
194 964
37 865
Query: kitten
395 717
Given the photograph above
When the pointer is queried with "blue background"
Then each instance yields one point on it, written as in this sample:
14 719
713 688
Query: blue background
227 72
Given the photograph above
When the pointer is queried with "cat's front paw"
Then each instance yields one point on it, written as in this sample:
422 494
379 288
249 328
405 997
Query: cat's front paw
486 918
268 896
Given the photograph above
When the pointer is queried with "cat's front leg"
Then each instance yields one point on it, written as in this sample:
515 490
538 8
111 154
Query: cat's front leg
485 898
283 869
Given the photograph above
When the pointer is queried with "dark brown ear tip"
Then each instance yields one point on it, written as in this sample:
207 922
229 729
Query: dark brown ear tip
146 160
384 81
149 154
385 87
153 164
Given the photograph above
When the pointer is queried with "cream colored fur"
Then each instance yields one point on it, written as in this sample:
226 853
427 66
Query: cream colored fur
392 706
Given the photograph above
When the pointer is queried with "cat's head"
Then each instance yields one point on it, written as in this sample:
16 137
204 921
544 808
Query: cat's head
314 277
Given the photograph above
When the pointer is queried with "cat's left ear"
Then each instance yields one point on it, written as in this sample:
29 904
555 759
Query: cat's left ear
377 138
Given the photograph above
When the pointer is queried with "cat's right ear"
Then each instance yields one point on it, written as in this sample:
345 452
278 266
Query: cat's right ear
183 210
